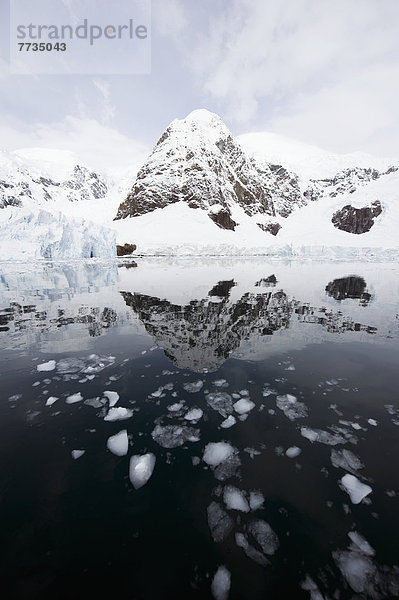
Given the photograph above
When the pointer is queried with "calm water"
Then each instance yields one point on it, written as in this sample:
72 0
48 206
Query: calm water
298 498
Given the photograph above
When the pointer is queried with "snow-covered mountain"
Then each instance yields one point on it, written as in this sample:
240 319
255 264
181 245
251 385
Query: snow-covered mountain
202 191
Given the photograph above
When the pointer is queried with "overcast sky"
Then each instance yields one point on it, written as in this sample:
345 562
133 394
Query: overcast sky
325 72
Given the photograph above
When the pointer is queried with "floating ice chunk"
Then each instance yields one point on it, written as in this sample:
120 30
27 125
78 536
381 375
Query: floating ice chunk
112 397
158 393
36 383
194 386
172 436
345 459
194 414
50 401
118 413
229 422
16 397
310 586
221 383
293 452
244 392
217 452
176 406
256 500
355 488
95 402
250 551
234 499
118 444
235 396
221 402
220 523
361 543
358 570
291 407
372 422
47 366
221 584
264 535
243 406
290 368
77 453
323 437
141 468
74 398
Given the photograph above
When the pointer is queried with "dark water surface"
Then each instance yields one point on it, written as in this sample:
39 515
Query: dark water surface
304 356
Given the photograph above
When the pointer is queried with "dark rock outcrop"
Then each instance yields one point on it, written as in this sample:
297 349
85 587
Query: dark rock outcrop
125 250
223 220
356 220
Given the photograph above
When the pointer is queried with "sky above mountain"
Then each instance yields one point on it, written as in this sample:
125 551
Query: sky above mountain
325 73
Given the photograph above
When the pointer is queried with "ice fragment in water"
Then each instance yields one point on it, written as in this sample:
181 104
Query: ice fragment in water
221 383
141 468
256 500
361 543
264 535
220 523
193 387
95 402
243 406
234 499
118 414
217 452
47 366
118 444
229 422
372 422
50 401
77 453
221 402
323 437
250 551
221 584
310 586
355 488
194 414
291 407
293 452
172 436
358 571
346 460
112 397
74 398
175 407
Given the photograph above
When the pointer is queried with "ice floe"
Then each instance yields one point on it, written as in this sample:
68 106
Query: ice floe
118 413
195 414
250 551
118 444
372 422
220 523
229 422
74 398
264 536
346 460
291 407
172 436
46 366
77 453
243 406
310 586
293 452
323 437
221 383
221 584
50 401
234 499
112 397
221 402
361 543
355 488
141 468
256 500
194 386
217 452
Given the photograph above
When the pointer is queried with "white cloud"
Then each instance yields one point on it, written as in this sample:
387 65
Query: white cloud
169 17
301 64
107 108
99 146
